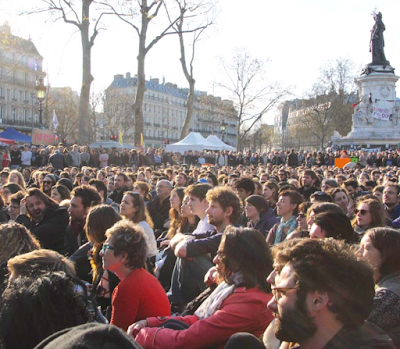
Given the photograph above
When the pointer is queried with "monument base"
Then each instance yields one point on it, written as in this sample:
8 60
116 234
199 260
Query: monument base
376 115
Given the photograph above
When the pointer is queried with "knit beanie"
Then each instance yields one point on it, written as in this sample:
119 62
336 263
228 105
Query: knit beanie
92 335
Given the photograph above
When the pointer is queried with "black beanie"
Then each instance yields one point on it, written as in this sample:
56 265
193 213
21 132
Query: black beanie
92 335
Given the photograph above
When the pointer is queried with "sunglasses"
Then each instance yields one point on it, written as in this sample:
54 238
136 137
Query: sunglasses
107 247
301 215
363 212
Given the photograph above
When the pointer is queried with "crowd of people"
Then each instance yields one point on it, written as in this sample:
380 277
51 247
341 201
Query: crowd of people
131 249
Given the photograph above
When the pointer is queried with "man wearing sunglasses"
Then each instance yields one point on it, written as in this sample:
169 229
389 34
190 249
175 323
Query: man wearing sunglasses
322 296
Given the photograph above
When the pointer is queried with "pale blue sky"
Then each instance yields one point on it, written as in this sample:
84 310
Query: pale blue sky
297 36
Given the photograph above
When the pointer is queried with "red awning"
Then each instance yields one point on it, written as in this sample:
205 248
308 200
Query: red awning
7 141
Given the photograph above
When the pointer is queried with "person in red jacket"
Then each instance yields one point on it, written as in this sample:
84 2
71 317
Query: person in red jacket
139 294
238 304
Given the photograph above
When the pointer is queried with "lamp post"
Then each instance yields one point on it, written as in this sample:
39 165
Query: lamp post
223 127
40 94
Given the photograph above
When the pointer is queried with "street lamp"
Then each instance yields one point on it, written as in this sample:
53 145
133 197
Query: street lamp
223 127
40 94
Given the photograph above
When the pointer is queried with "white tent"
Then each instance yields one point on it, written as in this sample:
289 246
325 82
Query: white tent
111 144
216 141
193 141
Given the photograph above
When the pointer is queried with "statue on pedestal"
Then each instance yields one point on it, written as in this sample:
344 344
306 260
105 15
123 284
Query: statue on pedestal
377 43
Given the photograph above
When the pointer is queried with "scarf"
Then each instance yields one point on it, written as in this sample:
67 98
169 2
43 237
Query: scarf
390 282
214 301
291 223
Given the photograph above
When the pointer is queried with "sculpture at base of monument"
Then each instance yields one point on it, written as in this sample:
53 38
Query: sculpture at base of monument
377 43
363 113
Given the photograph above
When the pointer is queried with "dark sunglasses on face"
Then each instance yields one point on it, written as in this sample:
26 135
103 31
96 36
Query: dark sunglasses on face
363 212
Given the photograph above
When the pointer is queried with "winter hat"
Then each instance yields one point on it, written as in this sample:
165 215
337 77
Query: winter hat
92 335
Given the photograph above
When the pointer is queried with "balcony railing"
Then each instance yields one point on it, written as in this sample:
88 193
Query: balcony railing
17 122
16 81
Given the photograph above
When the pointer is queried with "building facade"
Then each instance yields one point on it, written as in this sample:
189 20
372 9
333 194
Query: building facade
20 68
164 112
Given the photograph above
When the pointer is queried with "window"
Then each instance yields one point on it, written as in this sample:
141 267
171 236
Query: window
1 113
26 116
14 114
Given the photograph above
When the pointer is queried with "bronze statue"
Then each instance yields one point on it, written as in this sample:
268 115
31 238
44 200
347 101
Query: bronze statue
377 42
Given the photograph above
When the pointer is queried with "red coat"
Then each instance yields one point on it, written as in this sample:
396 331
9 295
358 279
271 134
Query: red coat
243 311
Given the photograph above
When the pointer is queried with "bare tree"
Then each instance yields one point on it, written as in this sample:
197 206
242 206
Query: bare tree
328 106
69 12
147 11
65 102
206 12
252 95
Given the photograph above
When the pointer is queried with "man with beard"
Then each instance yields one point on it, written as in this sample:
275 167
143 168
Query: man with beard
119 187
48 182
76 245
309 179
44 218
322 296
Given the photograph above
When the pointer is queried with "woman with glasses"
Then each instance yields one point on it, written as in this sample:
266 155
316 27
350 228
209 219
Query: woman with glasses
10 189
302 227
14 208
139 295
239 303
369 214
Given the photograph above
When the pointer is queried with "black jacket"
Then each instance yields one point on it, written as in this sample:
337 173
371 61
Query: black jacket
159 213
50 231
117 196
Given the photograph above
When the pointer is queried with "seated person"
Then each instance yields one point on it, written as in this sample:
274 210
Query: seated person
139 294
239 303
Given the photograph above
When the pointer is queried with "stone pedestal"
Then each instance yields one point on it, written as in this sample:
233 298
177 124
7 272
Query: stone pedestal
376 117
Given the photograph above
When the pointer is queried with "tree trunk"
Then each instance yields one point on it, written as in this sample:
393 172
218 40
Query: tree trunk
141 81
191 81
87 78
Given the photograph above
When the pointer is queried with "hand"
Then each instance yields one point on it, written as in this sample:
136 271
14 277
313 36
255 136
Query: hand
134 329
165 243
22 208
210 276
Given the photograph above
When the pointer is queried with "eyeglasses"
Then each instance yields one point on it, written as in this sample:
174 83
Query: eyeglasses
278 291
107 247
47 182
363 212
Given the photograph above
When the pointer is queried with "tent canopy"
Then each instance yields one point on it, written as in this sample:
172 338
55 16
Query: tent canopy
193 141
12 134
216 141
111 144
4 141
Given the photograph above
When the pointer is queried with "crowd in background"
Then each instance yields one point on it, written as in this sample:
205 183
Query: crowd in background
199 250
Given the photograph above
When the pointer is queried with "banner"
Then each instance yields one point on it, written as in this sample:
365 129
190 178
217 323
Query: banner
54 121
341 162
45 137
121 143
381 113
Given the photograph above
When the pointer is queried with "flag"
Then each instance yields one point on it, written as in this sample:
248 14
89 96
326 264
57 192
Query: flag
120 138
141 141
54 121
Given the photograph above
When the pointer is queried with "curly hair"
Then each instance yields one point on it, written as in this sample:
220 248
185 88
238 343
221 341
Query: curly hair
226 197
21 180
89 196
38 262
245 250
50 303
129 238
15 239
331 266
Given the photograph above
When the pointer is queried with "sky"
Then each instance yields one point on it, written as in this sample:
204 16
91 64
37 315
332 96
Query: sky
296 37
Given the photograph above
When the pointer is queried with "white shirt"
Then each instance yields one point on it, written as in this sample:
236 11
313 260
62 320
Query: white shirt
26 157
151 239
